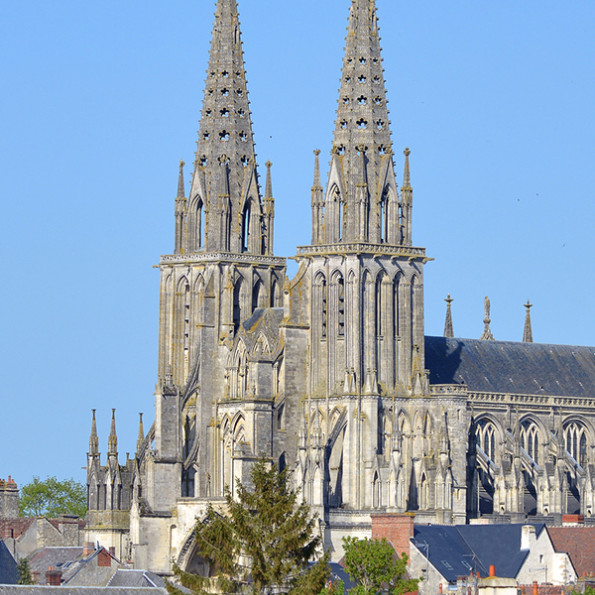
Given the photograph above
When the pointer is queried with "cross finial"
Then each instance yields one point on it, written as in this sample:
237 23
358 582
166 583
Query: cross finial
528 331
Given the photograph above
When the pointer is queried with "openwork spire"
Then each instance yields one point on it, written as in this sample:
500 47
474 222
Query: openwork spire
448 328
362 147
528 331
225 156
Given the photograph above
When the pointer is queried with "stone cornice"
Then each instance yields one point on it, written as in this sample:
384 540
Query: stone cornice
229 257
532 400
363 248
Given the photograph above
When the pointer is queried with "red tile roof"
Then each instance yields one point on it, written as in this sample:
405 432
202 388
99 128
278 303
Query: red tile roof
579 542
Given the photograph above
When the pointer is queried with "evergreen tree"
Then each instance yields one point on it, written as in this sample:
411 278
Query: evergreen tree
263 543
376 568
24 572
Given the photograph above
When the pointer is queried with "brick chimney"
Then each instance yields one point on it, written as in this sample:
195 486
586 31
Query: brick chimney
396 527
88 548
53 577
9 499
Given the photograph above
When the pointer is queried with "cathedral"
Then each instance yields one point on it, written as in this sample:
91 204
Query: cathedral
329 373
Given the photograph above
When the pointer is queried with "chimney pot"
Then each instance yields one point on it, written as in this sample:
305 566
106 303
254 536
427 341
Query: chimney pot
492 570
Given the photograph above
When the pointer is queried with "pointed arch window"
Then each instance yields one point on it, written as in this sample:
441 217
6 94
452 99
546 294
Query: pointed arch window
378 318
530 439
256 291
485 434
383 215
237 304
200 224
246 216
320 304
575 442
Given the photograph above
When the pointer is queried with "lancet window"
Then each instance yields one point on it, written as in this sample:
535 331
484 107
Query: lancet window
530 439
575 442
485 433
246 227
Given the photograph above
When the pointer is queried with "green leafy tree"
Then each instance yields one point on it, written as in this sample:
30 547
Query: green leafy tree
376 568
337 588
263 544
51 497
24 572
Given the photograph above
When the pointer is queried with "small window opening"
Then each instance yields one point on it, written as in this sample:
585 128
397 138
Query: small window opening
224 135
340 150
344 124
347 79
244 160
209 112
204 160
241 113
225 112
362 124
378 100
225 74
382 150
362 100
239 92
243 137
362 60
206 136
225 92
380 124
362 79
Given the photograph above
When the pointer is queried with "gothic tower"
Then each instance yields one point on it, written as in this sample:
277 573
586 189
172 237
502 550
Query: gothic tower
213 404
373 437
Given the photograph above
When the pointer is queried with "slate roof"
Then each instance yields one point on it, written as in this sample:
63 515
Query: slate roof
579 543
8 566
458 550
509 367
57 557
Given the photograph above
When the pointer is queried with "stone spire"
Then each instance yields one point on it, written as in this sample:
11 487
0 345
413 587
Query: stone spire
141 434
112 442
448 328
180 211
487 333
528 331
93 438
225 154
362 147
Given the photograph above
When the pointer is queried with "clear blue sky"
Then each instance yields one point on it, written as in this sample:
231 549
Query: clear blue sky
100 100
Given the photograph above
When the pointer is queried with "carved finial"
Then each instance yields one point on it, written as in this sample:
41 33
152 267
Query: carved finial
448 328
181 193
487 333
528 331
